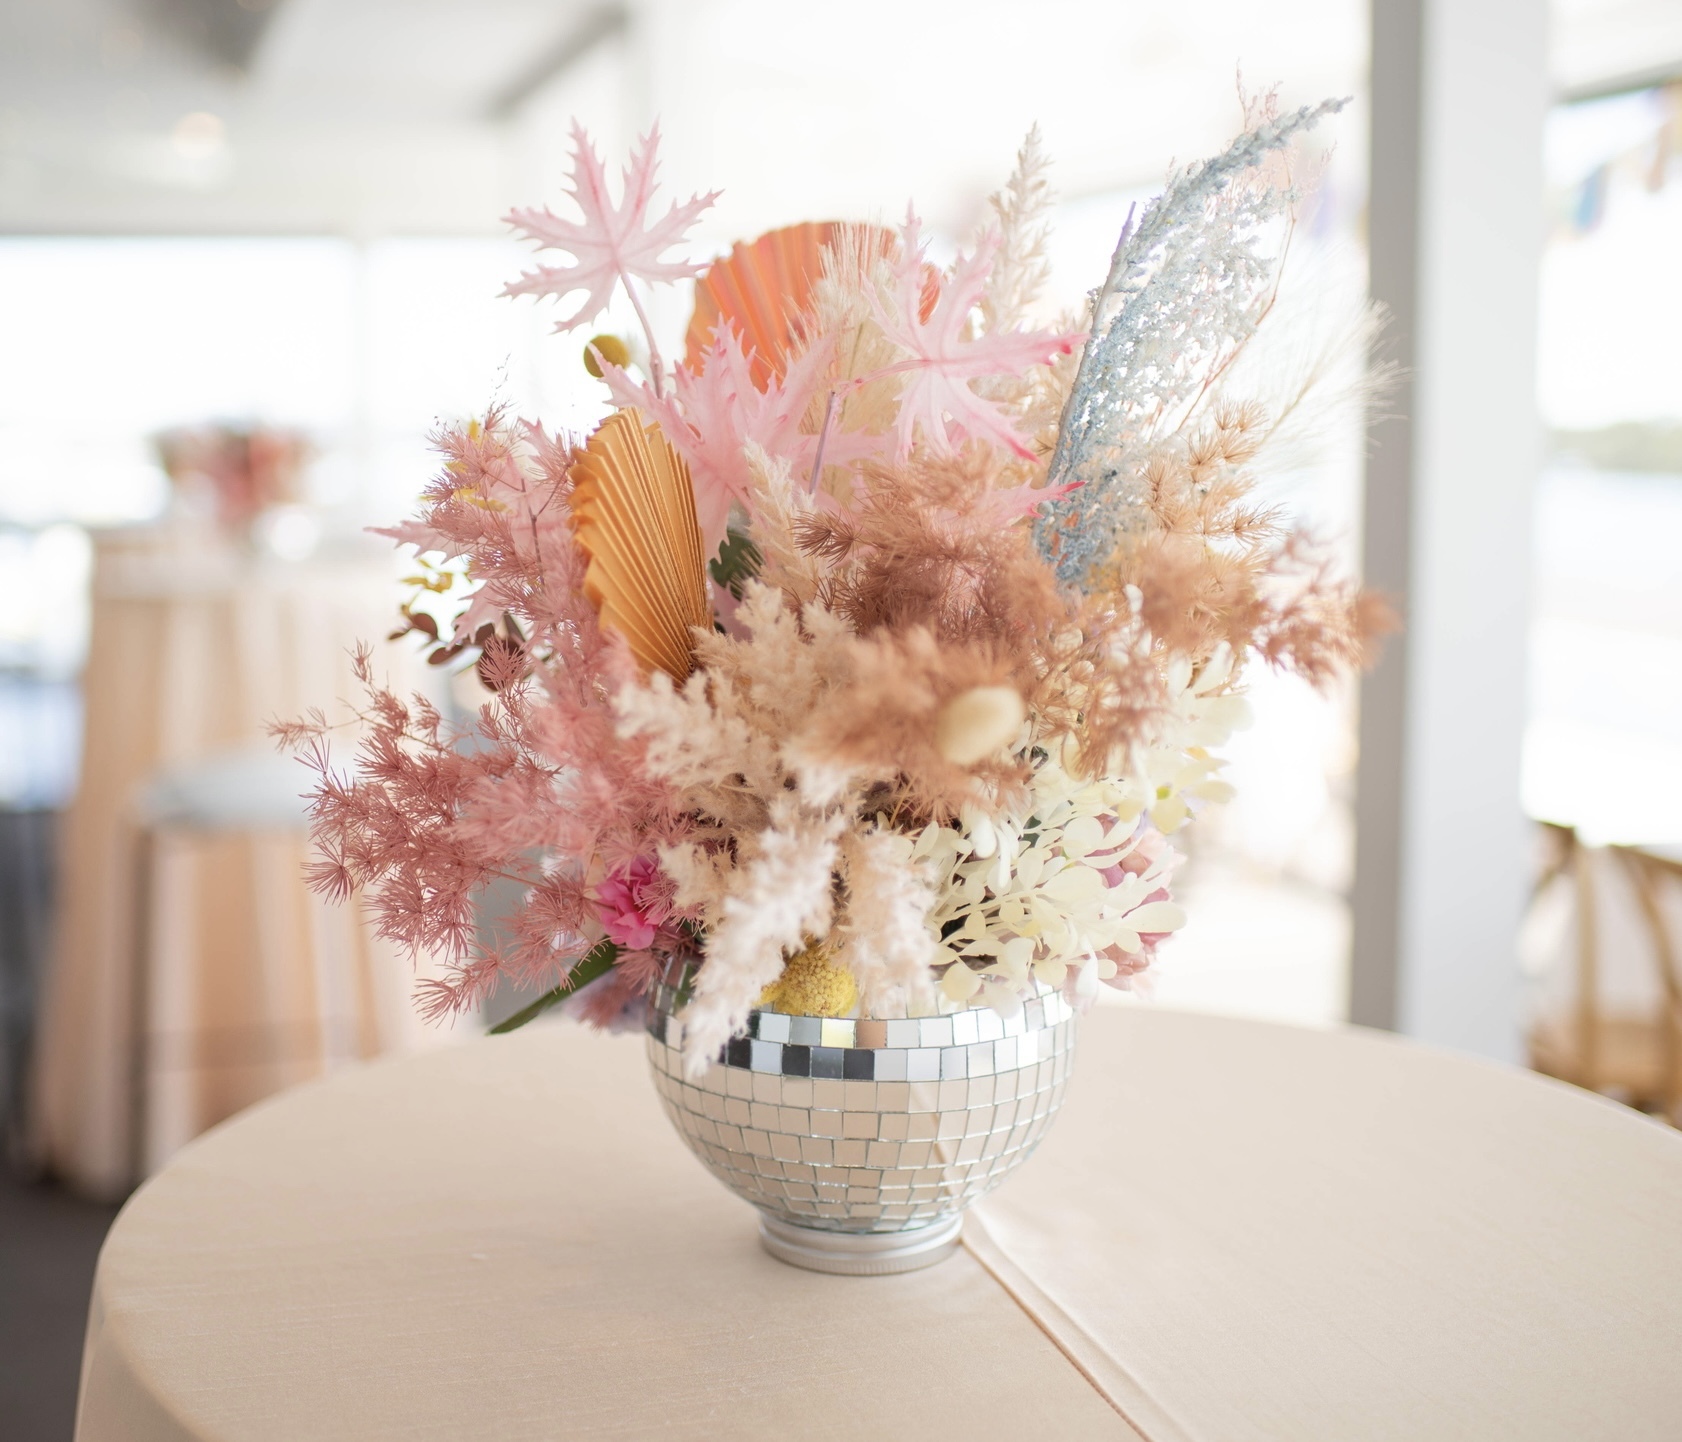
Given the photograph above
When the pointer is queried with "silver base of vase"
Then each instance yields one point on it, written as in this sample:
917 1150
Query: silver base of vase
848 1125
861 1254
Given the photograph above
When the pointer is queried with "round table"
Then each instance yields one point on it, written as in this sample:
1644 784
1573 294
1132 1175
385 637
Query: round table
1235 1230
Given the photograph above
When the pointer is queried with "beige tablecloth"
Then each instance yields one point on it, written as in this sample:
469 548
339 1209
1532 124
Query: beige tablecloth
193 974
1234 1231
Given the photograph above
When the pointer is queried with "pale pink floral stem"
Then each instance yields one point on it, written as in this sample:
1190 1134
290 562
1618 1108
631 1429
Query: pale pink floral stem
823 438
656 370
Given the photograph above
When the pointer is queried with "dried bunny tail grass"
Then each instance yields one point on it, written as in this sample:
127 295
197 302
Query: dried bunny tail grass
884 936
780 893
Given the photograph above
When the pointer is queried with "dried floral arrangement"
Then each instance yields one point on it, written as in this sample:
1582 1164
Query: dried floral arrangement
871 655
236 472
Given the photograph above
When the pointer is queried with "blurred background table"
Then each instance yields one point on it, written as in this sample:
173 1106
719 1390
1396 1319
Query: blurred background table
1235 1230
192 972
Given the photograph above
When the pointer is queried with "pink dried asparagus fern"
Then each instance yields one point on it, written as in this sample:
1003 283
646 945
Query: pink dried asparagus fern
432 819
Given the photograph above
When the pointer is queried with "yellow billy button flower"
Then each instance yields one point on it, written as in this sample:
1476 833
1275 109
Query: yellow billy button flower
607 348
812 985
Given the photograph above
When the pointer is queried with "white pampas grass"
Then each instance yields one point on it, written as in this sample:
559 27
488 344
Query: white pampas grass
779 898
778 505
885 937
1022 267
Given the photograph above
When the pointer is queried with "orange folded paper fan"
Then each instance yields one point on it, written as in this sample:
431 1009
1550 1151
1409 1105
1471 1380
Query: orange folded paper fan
634 513
760 289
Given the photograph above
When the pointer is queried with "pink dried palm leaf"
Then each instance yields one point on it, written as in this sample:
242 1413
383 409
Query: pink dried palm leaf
760 291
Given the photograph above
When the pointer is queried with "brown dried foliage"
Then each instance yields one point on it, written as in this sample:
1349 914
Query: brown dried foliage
935 568
1214 567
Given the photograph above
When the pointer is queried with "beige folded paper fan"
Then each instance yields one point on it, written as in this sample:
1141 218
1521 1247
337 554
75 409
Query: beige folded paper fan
634 511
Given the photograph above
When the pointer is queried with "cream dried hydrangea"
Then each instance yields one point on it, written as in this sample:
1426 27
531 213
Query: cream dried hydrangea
1204 711
1061 894
1071 890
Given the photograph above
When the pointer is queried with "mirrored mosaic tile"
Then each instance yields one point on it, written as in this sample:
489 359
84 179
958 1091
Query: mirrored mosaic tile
867 1125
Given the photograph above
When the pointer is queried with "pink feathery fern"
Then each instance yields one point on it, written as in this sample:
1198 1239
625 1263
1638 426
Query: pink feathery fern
431 820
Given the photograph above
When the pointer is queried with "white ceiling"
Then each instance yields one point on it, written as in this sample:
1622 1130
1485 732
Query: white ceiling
374 116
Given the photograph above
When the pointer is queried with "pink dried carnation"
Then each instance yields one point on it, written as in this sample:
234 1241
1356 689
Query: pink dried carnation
633 902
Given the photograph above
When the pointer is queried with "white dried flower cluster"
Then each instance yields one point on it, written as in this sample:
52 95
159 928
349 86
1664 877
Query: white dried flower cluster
1049 896
1205 712
1066 890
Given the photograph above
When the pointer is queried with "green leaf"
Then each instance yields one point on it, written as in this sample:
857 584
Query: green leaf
597 961
738 561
